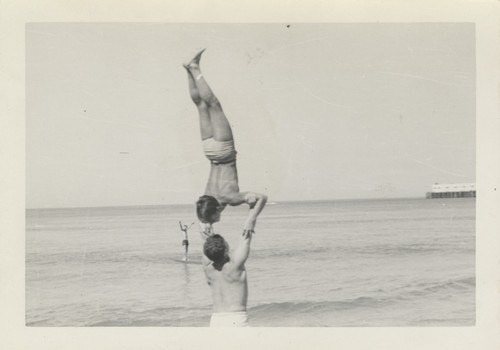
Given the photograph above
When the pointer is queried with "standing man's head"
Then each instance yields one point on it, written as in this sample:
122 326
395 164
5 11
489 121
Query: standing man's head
208 209
216 248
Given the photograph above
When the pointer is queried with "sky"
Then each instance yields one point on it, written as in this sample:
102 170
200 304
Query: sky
319 111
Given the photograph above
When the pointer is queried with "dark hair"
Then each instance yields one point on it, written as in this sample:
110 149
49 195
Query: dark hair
215 248
206 208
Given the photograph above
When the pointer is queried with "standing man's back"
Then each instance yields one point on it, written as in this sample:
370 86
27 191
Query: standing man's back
226 273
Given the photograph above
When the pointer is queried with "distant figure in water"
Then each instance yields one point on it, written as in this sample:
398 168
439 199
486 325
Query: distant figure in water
218 145
185 242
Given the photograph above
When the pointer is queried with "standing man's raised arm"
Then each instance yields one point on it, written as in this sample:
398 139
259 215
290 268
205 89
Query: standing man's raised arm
257 203
242 251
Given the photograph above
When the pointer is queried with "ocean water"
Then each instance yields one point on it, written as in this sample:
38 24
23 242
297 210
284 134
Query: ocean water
398 262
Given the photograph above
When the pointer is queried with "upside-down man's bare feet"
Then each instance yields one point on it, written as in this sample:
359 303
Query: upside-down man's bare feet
195 62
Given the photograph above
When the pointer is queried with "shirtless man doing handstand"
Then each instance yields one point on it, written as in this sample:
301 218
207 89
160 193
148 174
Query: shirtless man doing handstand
224 269
218 144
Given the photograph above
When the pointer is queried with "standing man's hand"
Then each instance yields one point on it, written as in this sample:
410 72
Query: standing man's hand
255 210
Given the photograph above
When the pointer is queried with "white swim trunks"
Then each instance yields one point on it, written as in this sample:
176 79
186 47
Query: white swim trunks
219 152
229 319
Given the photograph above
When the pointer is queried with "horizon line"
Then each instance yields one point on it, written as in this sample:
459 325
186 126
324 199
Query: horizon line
186 204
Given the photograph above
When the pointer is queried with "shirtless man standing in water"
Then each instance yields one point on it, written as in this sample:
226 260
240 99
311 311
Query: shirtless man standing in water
226 273
218 144
224 269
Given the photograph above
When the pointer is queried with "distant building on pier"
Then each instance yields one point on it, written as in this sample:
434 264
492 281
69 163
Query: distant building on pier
452 191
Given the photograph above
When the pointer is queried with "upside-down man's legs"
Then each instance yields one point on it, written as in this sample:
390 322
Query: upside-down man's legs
205 123
221 129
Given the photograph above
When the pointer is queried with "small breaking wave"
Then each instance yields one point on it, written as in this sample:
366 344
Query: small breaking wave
307 307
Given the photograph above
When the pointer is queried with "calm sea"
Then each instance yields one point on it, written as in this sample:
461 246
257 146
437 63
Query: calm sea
399 262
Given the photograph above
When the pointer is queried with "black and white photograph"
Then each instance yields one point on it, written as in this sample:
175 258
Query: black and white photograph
341 155
301 175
